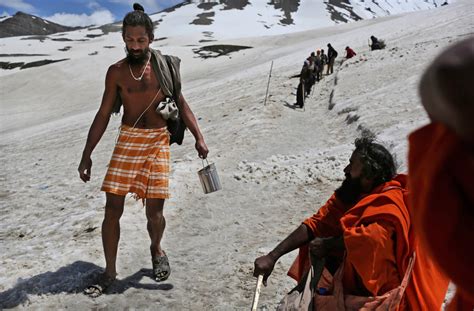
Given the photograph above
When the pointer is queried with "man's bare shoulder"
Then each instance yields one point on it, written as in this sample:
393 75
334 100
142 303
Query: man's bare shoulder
116 68
118 65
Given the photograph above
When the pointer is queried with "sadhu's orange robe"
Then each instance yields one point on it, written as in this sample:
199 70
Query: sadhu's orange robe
379 242
441 169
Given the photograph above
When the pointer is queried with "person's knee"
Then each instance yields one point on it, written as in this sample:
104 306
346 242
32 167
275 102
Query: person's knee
154 210
114 207
154 215
113 213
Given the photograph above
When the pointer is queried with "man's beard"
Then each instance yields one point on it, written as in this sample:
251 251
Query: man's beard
137 57
350 190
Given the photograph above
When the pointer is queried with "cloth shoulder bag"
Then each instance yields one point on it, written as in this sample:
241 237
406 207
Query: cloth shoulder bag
175 123
305 295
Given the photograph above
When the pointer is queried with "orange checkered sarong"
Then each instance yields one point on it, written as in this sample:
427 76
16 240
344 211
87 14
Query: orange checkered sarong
140 164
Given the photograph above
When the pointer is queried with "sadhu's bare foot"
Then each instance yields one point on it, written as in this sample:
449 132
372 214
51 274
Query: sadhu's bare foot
100 286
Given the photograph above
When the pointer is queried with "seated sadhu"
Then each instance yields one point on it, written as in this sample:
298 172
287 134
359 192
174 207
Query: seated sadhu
365 232
441 168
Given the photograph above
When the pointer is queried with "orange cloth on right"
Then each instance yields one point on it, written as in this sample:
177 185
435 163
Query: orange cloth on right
379 242
441 170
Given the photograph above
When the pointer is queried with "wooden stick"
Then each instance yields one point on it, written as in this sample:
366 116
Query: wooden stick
256 295
304 96
268 84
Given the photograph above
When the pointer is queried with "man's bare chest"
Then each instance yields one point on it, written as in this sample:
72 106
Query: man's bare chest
141 88
130 86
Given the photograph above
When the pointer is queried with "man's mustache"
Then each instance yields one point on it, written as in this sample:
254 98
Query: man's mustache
136 51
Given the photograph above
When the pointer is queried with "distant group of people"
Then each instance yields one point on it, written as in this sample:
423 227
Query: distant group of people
312 72
388 241
313 67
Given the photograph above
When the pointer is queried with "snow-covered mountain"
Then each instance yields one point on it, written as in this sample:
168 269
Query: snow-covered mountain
22 24
224 19
277 164
198 23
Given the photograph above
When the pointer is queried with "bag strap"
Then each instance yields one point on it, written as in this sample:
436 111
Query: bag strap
170 68
151 103
403 285
407 276
338 291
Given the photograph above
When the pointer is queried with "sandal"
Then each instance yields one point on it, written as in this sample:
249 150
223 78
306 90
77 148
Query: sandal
161 268
100 286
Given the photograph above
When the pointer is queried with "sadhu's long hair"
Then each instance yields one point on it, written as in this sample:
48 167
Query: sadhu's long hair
378 162
138 17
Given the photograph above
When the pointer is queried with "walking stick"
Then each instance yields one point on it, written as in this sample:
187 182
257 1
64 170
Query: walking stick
256 295
268 84
304 96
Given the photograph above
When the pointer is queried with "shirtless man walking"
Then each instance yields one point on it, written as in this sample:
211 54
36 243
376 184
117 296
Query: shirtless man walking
140 162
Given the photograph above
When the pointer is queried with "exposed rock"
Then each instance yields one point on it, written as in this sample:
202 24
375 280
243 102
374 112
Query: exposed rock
42 63
288 7
213 51
335 7
204 19
21 55
234 4
22 24
7 65
94 36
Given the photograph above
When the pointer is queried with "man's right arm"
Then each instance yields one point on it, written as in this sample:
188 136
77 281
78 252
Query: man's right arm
325 223
296 239
264 265
100 122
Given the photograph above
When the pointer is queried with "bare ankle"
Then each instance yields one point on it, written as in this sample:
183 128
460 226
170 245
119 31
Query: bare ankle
110 274
156 251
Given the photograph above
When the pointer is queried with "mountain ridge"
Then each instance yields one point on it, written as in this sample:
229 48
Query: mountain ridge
23 24
243 18
225 19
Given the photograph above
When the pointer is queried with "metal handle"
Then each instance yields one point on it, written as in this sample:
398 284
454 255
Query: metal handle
203 163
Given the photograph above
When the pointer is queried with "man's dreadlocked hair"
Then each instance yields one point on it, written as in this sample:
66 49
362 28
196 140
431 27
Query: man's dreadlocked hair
138 17
377 161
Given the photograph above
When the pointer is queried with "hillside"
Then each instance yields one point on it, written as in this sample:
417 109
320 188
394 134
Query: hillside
277 164
22 24
209 20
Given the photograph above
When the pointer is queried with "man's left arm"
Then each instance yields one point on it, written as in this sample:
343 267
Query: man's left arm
191 122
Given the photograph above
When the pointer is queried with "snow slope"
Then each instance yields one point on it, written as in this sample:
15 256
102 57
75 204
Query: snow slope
277 165
237 18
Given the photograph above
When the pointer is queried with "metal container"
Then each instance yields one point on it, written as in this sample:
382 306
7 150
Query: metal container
209 179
